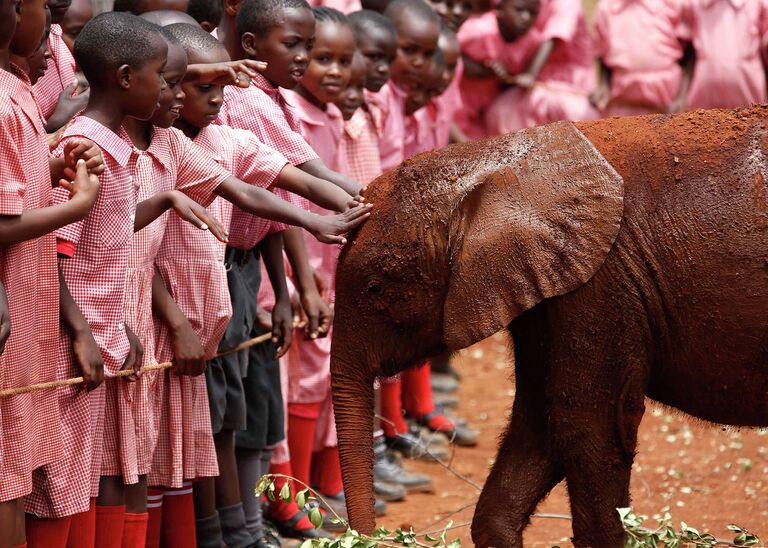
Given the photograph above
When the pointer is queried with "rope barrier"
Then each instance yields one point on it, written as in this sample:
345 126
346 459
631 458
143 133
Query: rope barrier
126 372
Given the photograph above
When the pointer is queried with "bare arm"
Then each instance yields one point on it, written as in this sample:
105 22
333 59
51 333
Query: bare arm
319 169
688 63
601 96
271 249
314 189
317 310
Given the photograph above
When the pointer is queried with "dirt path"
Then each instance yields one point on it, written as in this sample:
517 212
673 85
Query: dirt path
705 475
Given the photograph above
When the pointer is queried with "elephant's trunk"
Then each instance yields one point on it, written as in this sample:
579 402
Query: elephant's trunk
353 406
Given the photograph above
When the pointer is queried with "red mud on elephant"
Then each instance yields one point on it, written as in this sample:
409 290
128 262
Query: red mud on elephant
626 257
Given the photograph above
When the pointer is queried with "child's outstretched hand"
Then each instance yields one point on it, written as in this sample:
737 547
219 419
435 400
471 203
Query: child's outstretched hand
135 356
89 359
82 149
189 355
600 97
83 186
5 319
500 71
237 73
329 228
282 326
192 212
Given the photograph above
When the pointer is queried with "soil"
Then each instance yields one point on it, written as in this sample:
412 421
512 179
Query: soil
703 474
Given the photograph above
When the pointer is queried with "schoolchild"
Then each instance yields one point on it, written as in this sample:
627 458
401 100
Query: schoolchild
420 112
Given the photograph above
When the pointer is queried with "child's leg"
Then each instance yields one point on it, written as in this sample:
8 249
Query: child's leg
136 517
155 496
12 523
110 512
47 533
178 517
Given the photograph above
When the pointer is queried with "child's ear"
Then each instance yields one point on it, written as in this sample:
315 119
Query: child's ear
208 26
231 7
249 43
124 74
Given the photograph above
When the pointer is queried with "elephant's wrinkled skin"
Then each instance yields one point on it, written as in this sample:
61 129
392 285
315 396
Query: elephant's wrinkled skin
665 295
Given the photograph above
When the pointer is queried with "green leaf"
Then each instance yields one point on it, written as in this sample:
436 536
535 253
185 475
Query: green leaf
301 498
285 492
262 485
623 513
316 517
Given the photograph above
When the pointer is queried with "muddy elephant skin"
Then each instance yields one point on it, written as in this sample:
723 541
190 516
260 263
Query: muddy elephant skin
654 282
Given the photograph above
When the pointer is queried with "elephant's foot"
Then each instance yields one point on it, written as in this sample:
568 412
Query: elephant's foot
490 533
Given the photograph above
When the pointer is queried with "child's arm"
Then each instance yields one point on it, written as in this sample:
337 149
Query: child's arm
528 78
271 248
135 357
456 135
184 206
688 63
262 203
33 223
188 352
5 319
84 346
69 104
601 96
314 189
317 310
317 168
475 69
238 73
63 167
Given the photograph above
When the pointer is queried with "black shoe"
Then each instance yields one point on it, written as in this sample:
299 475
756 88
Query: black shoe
413 447
458 435
387 468
386 490
288 528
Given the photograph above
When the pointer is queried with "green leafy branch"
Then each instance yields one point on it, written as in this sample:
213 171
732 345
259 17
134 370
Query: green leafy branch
667 535
309 500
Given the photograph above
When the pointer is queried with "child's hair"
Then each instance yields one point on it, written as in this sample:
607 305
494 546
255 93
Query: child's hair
365 20
375 5
131 6
330 15
112 39
193 38
399 9
260 16
205 10
163 18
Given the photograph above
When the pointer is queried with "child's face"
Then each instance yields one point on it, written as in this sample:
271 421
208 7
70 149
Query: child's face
516 17
30 29
37 63
452 12
202 102
9 18
146 83
417 42
329 65
420 94
379 48
78 14
449 45
352 97
172 96
58 9
285 48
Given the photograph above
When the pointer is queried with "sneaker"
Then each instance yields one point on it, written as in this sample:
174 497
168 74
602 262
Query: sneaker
414 447
442 383
288 528
456 433
388 468
387 491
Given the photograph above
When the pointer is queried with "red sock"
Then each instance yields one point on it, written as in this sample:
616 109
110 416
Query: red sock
82 533
110 521
135 530
327 472
21 545
302 422
47 533
179 517
155 521
392 422
417 391
283 511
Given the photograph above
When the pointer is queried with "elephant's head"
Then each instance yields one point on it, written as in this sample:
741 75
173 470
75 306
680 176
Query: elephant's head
461 241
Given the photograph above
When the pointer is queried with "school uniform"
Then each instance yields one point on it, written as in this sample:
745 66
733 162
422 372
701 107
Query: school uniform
447 106
359 147
388 105
640 42
99 250
192 264
30 435
132 415
729 37
60 73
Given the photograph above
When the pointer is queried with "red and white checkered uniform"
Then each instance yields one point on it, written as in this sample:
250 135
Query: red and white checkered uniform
60 73
420 130
262 110
191 262
95 275
30 435
133 412
359 147
388 106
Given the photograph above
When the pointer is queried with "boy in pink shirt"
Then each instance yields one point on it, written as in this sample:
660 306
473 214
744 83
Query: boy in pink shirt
730 38
642 54
30 431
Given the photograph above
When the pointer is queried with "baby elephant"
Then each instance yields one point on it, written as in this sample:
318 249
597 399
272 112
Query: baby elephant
626 257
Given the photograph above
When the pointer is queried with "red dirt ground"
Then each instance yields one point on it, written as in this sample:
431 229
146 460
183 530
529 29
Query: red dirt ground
706 475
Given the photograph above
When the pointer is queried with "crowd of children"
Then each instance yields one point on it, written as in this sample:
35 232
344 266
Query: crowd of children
162 161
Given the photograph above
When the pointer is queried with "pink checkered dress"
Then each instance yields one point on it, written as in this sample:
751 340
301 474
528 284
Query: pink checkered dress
95 275
30 435
132 419
359 147
60 73
388 105
191 263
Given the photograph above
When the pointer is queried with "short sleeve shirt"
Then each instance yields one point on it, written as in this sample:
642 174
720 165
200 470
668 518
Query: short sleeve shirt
60 73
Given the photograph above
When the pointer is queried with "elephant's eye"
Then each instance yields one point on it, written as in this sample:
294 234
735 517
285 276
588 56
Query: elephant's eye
374 288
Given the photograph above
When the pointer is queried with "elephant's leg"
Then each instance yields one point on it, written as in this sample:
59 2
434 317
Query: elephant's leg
524 470
599 367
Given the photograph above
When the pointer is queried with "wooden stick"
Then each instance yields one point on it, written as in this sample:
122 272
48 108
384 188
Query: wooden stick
126 372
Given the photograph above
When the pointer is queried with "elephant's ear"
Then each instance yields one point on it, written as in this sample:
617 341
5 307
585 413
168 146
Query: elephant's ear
536 228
